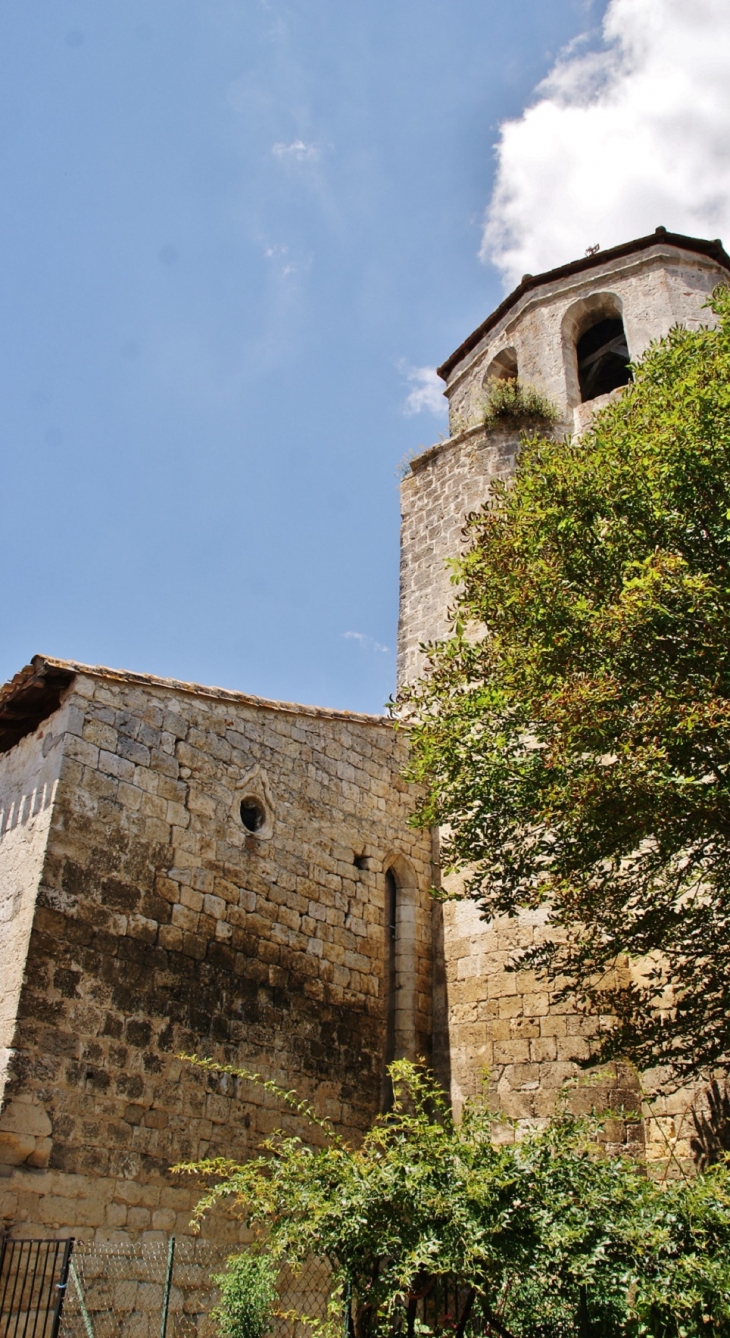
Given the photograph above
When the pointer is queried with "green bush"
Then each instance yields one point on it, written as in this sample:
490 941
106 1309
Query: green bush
248 1291
511 402
543 1237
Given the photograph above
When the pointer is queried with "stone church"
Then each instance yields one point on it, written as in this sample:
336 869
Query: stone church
187 869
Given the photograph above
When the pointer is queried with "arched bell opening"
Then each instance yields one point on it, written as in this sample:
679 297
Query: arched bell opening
503 367
603 358
595 347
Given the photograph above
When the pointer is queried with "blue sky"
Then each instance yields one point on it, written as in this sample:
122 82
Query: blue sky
229 230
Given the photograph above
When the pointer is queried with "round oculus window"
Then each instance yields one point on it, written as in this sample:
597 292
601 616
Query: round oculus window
253 813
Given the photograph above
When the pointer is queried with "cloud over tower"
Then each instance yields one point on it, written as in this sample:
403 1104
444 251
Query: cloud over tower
620 138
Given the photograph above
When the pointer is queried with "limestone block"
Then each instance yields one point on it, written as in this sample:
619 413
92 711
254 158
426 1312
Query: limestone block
572 1048
511 1052
524 1076
218 1109
499 1029
80 751
524 1027
153 806
170 938
15 1148
499 986
184 918
41 1154
517 1105
129 796
141 927
543 1048
95 731
156 831
24 1116
553 1025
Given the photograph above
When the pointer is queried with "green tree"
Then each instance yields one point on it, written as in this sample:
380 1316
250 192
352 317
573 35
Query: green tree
573 733
434 1227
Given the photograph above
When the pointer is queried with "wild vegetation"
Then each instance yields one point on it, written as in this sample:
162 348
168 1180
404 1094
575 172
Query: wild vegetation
438 1227
247 1296
514 403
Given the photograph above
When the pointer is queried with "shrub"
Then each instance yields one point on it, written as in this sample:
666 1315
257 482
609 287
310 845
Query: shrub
248 1291
513 402
435 1229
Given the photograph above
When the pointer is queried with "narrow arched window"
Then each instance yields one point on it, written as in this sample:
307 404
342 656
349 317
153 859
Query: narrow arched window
400 970
391 974
603 358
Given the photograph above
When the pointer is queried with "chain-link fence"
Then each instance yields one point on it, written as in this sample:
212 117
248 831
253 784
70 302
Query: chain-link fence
305 1294
165 1290
144 1290
159 1289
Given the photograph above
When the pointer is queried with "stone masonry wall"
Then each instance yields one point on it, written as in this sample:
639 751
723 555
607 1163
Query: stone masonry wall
163 927
509 1026
488 1019
441 487
28 776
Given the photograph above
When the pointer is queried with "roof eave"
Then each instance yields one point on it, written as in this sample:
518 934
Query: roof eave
713 249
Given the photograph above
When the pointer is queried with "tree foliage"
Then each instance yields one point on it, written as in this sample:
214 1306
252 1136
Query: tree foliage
573 733
434 1227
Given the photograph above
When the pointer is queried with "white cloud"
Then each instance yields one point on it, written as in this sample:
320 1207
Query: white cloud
367 642
297 151
427 391
619 140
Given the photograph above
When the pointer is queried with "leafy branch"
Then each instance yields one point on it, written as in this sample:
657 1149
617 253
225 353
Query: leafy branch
430 1227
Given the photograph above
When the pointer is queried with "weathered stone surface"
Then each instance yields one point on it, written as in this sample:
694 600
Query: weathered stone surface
24 1116
140 919
15 1148
161 926
28 778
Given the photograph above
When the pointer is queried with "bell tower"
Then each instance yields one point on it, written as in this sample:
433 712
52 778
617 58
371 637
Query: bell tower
571 333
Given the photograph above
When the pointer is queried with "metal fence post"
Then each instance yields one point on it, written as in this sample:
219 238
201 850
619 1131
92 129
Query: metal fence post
347 1327
61 1287
168 1285
86 1317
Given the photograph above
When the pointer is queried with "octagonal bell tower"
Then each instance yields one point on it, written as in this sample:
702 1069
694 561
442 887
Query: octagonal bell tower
571 333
